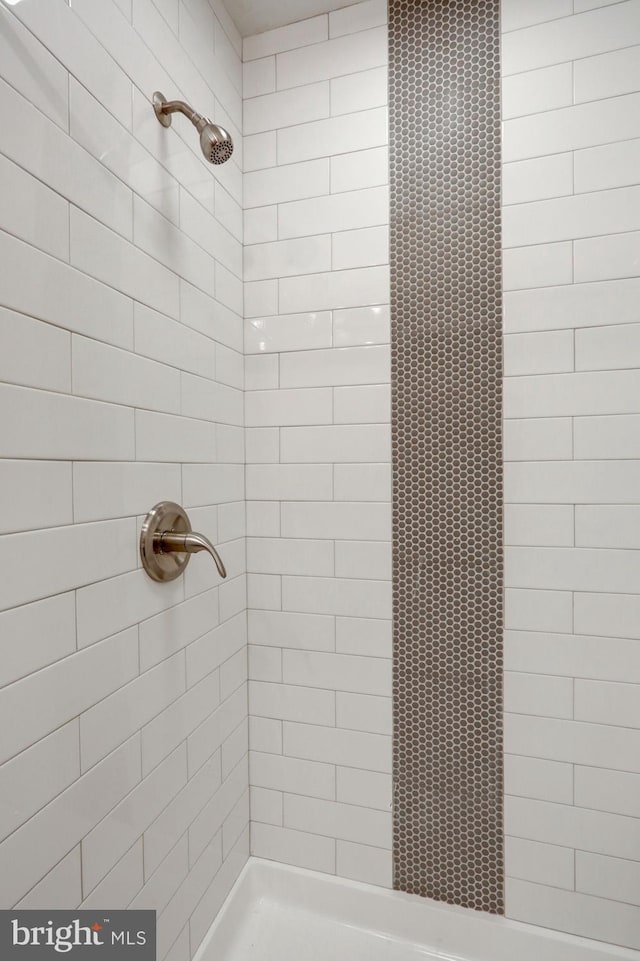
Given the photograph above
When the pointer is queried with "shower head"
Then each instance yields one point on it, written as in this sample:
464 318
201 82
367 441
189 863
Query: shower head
216 143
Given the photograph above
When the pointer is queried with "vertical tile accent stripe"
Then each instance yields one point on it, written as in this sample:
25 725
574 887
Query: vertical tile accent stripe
447 451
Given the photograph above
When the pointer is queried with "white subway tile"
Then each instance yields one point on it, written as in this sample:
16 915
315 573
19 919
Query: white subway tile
607 437
613 165
578 305
28 854
348 598
608 348
539 611
600 658
337 672
62 296
586 482
371 752
597 745
265 734
537 91
368 559
37 776
538 694
30 68
579 394
328 214
121 884
344 288
109 723
289 774
289 332
607 75
102 491
607 258
294 35
364 636
286 108
287 258
282 555
262 445
181 718
607 526
347 444
107 257
602 702
59 888
266 806
549 438
265 664
365 788
260 225
34 213
360 248
120 377
287 702
347 54
547 352
359 91
289 482
571 128
263 518
538 179
541 863
563 568
259 153
544 525
612 878
113 836
532 777
358 712
39 492
260 298
358 131
571 38
60 29
37 635
545 265
602 790
359 16
360 862
264 591
293 847
362 482
336 521
261 371
573 913
359 170
285 629
259 77
517 14
344 821
287 183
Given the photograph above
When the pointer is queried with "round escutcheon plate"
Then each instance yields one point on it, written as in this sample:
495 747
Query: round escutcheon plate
165 517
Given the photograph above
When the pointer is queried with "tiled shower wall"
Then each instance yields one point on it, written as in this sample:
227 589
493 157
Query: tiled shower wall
123 740
317 414
572 402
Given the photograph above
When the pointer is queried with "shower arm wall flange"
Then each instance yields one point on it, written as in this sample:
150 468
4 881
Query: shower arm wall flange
164 108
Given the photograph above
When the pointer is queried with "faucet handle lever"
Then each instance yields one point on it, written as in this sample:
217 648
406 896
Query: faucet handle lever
189 543
167 543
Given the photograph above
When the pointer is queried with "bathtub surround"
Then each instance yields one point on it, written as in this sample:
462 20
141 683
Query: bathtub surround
123 713
317 415
446 363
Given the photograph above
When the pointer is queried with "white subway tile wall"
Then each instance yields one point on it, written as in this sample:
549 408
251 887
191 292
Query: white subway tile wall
124 747
318 452
572 363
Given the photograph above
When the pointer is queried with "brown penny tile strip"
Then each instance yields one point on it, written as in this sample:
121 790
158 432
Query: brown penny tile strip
447 450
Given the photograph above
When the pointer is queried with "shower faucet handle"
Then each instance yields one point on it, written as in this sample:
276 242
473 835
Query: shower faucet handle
167 543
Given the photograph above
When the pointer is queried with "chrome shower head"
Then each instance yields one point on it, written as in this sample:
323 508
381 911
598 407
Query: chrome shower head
216 143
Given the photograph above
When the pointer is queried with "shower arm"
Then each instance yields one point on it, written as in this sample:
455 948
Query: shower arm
164 109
